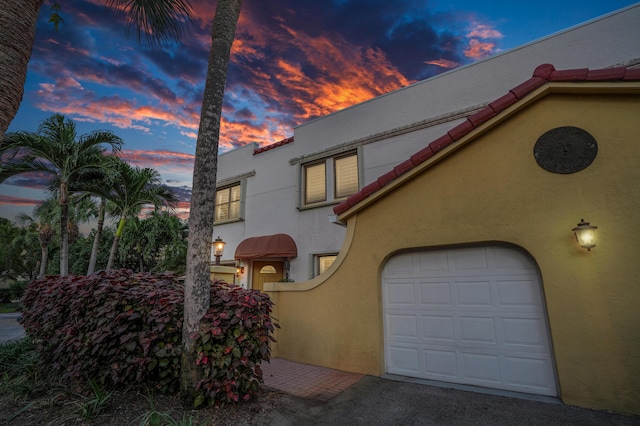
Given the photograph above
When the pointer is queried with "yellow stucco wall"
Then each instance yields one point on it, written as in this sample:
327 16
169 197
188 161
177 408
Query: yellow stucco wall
493 190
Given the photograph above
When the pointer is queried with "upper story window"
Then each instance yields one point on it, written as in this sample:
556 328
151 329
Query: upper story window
228 203
330 179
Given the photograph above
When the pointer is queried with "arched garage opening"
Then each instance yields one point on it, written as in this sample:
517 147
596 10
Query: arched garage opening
470 315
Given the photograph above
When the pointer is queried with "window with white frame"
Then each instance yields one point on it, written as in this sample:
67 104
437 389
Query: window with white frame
330 179
228 203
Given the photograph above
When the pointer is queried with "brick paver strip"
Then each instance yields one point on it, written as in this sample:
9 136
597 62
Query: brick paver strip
307 381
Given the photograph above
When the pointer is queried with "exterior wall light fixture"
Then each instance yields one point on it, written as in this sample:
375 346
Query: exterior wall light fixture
585 234
239 270
218 248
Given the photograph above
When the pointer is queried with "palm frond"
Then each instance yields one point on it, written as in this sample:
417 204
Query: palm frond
160 21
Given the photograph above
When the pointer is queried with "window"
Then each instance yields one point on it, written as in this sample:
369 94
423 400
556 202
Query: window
315 188
330 179
320 263
324 262
228 203
346 169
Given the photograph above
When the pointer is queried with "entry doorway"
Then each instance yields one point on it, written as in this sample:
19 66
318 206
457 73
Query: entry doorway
266 272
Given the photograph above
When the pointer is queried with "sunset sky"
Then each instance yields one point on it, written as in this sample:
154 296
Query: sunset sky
292 61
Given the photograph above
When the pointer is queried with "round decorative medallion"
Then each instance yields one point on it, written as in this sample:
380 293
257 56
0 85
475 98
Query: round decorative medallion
565 150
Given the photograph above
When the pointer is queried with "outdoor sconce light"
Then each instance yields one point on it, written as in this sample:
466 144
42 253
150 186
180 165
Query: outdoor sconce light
218 248
239 271
585 234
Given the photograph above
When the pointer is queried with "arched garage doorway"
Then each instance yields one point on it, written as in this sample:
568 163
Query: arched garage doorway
472 315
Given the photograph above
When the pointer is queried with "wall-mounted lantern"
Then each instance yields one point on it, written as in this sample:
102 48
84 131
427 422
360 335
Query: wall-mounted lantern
218 248
585 234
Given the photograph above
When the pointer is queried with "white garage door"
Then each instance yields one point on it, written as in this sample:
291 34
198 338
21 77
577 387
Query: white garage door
471 316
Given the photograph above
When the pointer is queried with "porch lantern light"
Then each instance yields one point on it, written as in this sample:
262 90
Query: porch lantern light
585 234
218 248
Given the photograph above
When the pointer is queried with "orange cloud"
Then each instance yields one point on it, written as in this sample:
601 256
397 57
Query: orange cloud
478 49
443 63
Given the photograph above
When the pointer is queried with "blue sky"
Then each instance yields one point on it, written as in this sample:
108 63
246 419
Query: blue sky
292 61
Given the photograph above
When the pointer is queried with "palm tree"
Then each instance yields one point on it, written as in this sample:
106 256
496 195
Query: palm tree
47 213
55 153
133 188
197 282
159 21
43 220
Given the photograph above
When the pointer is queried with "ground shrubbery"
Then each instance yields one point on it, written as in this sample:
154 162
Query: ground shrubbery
123 329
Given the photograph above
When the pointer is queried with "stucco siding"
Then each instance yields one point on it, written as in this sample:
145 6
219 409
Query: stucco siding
492 190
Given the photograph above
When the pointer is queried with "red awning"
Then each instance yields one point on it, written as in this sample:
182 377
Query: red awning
278 245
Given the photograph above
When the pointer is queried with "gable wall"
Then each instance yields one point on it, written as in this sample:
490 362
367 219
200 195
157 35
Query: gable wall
492 190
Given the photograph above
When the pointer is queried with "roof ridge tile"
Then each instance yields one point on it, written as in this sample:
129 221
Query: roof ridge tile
543 74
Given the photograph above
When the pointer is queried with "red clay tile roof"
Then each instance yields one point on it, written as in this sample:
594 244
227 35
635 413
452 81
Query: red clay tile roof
542 75
273 145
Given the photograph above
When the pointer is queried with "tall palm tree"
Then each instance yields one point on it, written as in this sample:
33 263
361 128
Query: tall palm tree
133 188
197 282
159 21
56 153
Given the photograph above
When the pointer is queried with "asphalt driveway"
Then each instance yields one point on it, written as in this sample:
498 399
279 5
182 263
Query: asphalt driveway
376 401
10 329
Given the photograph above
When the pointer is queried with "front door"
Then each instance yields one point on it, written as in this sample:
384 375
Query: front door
266 272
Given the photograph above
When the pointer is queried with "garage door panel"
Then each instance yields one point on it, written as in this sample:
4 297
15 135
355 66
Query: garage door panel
442 364
524 375
481 369
477 330
403 360
402 327
401 293
521 293
435 293
507 259
469 316
435 264
439 328
469 260
473 293
524 332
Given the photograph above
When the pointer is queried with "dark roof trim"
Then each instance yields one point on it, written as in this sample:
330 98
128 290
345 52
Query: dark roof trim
542 75
273 146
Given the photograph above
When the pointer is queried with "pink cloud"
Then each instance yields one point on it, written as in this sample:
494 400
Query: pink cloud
18 201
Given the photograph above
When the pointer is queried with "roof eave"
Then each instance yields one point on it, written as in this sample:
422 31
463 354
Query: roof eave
581 87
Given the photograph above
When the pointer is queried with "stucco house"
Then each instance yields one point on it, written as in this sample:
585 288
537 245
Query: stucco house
429 232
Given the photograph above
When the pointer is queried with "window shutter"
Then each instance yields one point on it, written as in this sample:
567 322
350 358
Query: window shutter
315 188
346 176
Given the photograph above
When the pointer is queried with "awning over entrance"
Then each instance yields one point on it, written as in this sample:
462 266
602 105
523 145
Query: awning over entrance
278 245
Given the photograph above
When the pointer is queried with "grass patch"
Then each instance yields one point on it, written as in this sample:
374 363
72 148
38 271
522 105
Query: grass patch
9 308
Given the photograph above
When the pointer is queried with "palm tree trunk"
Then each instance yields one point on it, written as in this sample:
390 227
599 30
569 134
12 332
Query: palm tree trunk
17 32
44 259
96 239
197 283
64 231
116 241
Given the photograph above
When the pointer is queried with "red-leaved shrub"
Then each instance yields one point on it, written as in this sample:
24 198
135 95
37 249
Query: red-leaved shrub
124 329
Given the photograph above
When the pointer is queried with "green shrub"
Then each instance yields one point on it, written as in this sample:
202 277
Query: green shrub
124 329
16 289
